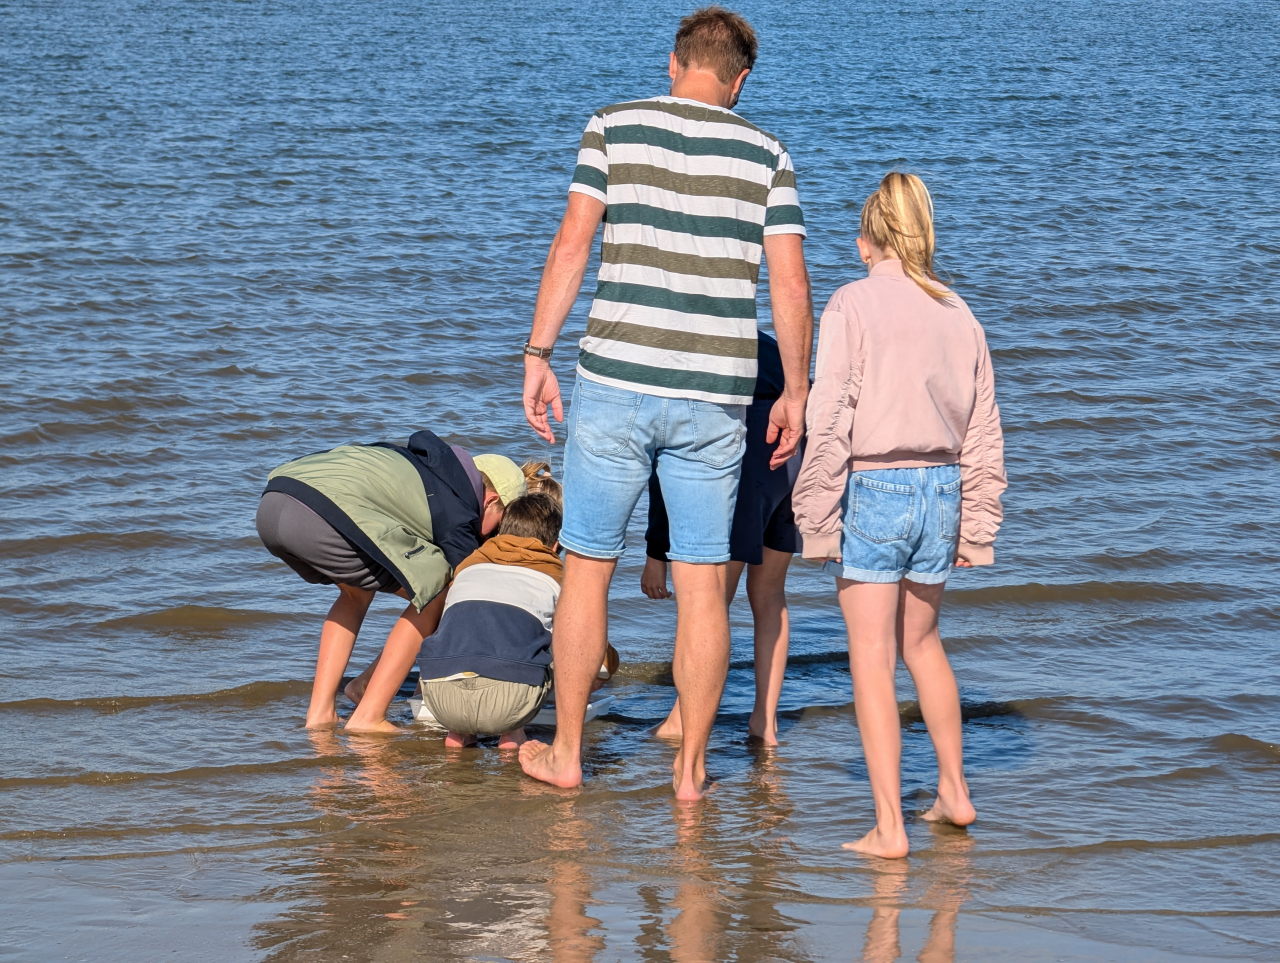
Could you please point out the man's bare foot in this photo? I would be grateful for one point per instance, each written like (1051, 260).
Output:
(954, 808)
(458, 740)
(509, 741)
(539, 761)
(371, 728)
(886, 845)
(322, 720)
(669, 728)
(689, 787)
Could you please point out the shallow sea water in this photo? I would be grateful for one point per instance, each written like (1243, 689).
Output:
(236, 232)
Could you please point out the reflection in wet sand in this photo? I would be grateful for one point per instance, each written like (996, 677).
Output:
(948, 871)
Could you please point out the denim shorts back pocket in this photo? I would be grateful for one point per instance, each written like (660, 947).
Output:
(948, 501)
(882, 511)
(719, 431)
(603, 417)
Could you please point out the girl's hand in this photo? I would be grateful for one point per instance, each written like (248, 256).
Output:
(653, 580)
(963, 562)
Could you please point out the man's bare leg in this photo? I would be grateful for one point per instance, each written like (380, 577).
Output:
(399, 653)
(669, 728)
(337, 638)
(767, 593)
(579, 637)
(871, 616)
(926, 659)
(700, 666)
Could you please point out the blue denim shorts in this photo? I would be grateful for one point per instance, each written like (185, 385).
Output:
(616, 437)
(899, 523)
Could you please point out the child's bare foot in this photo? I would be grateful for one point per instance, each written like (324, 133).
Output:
(509, 741)
(458, 740)
(891, 844)
(371, 728)
(952, 807)
(668, 728)
(765, 733)
(539, 761)
(354, 690)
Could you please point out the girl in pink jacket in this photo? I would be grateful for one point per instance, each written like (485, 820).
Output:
(901, 480)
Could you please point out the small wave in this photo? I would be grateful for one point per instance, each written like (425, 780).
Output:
(1238, 744)
(198, 618)
(250, 695)
(1036, 592)
(91, 541)
(199, 774)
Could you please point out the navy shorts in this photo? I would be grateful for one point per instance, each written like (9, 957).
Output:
(762, 516)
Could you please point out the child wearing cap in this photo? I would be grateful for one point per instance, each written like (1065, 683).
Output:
(487, 669)
(359, 517)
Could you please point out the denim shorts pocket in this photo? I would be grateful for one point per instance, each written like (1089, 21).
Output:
(603, 417)
(948, 499)
(719, 430)
(882, 511)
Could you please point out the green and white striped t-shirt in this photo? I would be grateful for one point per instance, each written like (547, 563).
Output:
(690, 191)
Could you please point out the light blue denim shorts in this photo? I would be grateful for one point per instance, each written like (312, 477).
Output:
(899, 523)
(615, 438)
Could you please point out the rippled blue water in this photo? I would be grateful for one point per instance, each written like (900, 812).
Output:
(235, 232)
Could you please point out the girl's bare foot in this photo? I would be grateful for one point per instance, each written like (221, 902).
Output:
(372, 728)
(891, 844)
(458, 740)
(539, 761)
(953, 808)
(322, 720)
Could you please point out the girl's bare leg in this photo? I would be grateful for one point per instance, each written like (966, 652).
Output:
(337, 638)
(767, 593)
(939, 699)
(670, 727)
(871, 615)
(399, 653)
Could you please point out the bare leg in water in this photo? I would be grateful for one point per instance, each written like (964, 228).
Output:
(871, 616)
(337, 638)
(579, 638)
(767, 595)
(399, 653)
(939, 696)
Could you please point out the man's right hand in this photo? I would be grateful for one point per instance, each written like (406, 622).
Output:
(541, 391)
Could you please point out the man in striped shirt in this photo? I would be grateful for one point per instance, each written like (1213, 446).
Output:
(691, 196)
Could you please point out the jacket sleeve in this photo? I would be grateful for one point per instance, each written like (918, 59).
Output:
(829, 416)
(982, 467)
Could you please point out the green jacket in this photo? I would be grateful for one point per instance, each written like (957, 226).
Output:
(411, 509)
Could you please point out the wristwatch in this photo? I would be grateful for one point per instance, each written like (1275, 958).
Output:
(543, 353)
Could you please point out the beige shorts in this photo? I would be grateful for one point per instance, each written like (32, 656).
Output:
(483, 707)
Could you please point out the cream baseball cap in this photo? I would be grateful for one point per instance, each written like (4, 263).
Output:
(504, 475)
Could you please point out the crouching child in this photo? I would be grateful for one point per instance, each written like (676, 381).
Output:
(487, 669)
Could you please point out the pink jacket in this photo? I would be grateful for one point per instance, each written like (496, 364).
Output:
(902, 381)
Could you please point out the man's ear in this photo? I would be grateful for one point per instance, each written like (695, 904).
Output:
(673, 65)
(738, 82)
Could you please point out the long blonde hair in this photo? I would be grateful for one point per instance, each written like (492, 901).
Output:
(898, 216)
(537, 478)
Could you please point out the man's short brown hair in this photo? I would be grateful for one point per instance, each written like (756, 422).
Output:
(716, 39)
(535, 515)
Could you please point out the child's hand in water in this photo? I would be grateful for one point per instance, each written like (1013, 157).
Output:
(653, 580)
